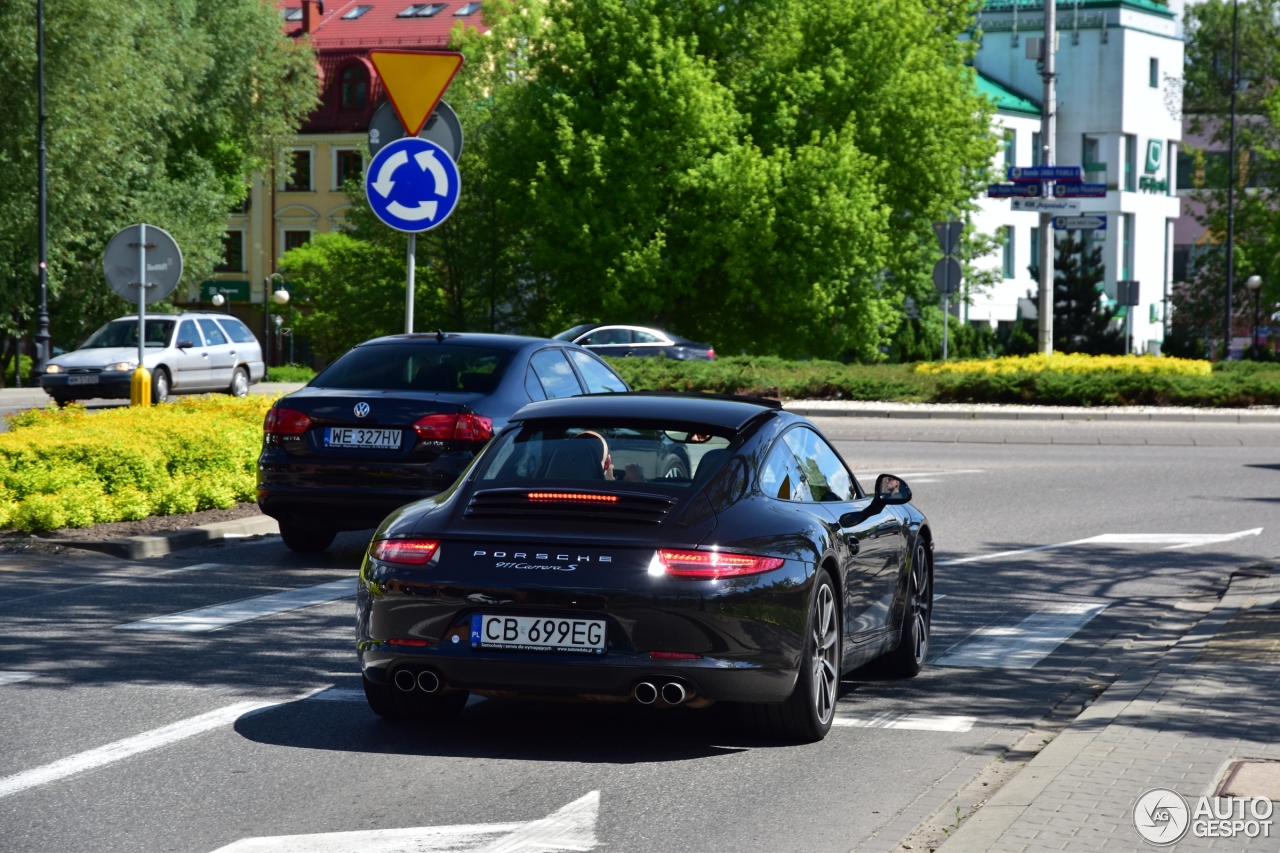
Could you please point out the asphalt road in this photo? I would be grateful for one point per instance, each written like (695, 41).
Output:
(154, 740)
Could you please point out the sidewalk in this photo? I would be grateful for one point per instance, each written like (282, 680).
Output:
(1182, 723)
(992, 411)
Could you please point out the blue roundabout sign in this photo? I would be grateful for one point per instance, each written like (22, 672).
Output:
(412, 185)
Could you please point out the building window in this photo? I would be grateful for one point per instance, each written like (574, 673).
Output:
(1153, 74)
(1010, 263)
(1035, 148)
(356, 12)
(1095, 166)
(1035, 251)
(467, 9)
(1126, 249)
(232, 252)
(1130, 163)
(298, 176)
(292, 14)
(355, 87)
(294, 239)
(1010, 147)
(348, 165)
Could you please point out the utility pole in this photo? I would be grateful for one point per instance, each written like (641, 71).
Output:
(1231, 178)
(1048, 129)
(42, 312)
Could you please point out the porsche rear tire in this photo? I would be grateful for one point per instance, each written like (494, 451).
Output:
(807, 714)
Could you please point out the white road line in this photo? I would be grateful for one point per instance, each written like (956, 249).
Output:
(12, 677)
(116, 581)
(130, 746)
(1025, 644)
(914, 722)
(572, 828)
(1176, 541)
(235, 612)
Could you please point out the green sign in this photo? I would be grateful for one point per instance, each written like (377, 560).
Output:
(1151, 185)
(1155, 153)
(236, 291)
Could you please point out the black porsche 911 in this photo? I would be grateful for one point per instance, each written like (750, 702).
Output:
(663, 549)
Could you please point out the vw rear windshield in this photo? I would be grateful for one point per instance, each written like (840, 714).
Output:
(604, 456)
(124, 333)
(425, 366)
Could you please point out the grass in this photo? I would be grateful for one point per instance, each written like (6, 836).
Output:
(290, 373)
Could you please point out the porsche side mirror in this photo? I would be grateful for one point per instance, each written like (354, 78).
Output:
(186, 344)
(892, 490)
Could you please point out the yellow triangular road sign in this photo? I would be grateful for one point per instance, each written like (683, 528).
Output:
(415, 80)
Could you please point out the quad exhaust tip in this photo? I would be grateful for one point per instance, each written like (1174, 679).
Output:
(428, 682)
(405, 681)
(646, 693)
(673, 693)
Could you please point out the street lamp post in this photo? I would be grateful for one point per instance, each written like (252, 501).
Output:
(1231, 176)
(1254, 283)
(42, 312)
(266, 314)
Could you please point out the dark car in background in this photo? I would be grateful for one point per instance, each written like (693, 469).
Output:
(622, 341)
(397, 419)
(660, 549)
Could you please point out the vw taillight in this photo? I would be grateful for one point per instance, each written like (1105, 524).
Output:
(454, 428)
(709, 565)
(285, 422)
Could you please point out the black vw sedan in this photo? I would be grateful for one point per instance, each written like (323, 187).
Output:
(662, 549)
(398, 418)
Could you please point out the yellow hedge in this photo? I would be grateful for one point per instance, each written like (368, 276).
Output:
(1077, 363)
(74, 468)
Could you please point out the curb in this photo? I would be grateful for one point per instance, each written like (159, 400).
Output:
(1029, 413)
(140, 547)
(983, 829)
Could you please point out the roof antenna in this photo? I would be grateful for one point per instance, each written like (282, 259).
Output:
(440, 336)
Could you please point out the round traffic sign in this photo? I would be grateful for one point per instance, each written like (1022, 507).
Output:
(412, 184)
(442, 128)
(164, 263)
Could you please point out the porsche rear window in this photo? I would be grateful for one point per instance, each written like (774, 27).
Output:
(601, 456)
(426, 366)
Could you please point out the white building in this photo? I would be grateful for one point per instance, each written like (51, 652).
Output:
(1118, 117)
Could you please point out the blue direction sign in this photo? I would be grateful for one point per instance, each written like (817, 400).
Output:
(1080, 190)
(1023, 174)
(1013, 190)
(412, 184)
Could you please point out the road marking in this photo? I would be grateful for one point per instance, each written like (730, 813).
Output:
(914, 477)
(1025, 644)
(116, 581)
(570, 828)
(914, 722)
(1176, 541)
(12, 677)
(235, 612)
(121, 749)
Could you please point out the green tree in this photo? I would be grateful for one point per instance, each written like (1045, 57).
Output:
(759, 175)
(1082, 320)
(158, 110)
(1200, 304)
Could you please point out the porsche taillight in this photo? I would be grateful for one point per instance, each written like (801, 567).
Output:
(710, 565)
(415, 552)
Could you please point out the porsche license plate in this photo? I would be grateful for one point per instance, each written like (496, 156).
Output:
(377, 439)
(538, 634)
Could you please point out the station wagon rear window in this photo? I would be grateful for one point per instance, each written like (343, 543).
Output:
(426, 366)
(596, 456)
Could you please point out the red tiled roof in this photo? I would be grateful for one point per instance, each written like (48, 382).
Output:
(379, 27)
(342, 42)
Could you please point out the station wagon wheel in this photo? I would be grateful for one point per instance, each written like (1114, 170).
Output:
(159, 386)
(239, 383)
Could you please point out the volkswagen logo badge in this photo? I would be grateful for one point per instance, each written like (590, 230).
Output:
(362, 410)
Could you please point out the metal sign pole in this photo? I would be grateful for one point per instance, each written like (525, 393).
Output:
(142, 291)
(1048, 128)
(410, 264)
(946, 316)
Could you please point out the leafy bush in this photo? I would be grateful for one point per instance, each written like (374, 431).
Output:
(290, 373)
(73, 468)
(770, 376)
(1113, 388)
(1073, 363)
